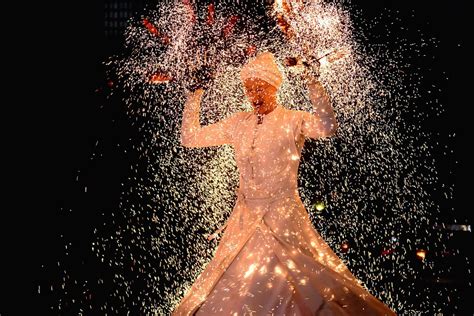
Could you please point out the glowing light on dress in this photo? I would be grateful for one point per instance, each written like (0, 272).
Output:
(251, 270)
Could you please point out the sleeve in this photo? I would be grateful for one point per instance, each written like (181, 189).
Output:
(322, 121)
(312, 126)
(194, 135)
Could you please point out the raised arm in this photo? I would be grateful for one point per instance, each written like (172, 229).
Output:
(194, 135)
(322, 123)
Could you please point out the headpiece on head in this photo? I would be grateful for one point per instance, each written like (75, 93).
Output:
(263, 66)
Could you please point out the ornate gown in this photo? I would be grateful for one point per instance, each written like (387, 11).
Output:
(270, 259)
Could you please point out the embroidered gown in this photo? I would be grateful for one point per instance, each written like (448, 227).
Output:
(270, 259)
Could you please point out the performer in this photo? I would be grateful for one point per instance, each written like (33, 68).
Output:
(270, 260)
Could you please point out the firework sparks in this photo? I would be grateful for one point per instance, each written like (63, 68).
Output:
(370, 170)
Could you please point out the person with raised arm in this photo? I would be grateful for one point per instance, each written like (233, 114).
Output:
(270, 259)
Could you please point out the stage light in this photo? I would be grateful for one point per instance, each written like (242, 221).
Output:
(345, 246)
(319, 206)
(421, 254)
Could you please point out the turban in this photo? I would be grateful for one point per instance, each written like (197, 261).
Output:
(264, 67)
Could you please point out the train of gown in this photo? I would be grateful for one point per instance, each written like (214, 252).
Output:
(271, 261)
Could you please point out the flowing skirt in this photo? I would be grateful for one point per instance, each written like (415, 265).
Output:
(271, 261)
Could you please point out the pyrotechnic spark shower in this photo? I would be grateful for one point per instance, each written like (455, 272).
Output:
(371, 179)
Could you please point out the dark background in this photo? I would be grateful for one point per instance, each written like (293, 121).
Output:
(60, 111)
